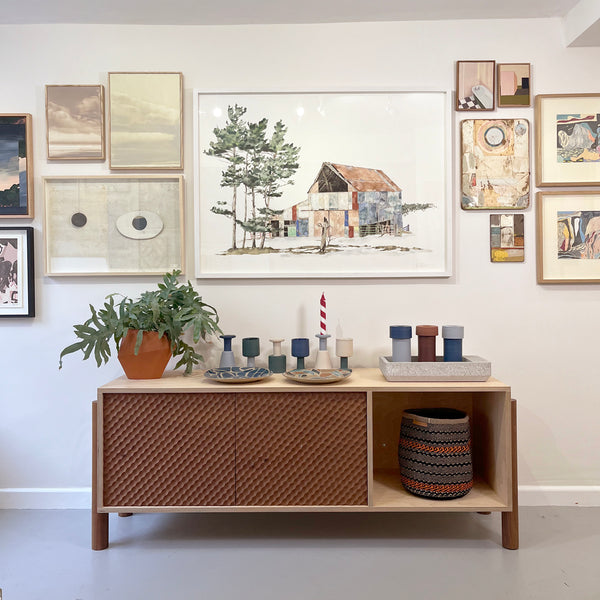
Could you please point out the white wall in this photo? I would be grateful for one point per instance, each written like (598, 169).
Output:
(542, 340)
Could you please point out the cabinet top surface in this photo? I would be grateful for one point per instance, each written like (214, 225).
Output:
(362, 379)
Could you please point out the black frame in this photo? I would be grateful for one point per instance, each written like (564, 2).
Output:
(28, 310)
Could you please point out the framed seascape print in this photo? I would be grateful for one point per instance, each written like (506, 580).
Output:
(17, 297)
(75, 122)
(568, 237)
(514, 85)
(114, 225)
(495, 164)
(322, 184)
(507, 238)
(567, 139)
(16, 166)
(475, 85)
(146, 120)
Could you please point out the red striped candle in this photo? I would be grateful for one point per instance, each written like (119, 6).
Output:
(323, 315)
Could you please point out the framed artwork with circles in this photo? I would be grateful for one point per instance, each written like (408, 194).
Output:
(129, 224)
(495, 169)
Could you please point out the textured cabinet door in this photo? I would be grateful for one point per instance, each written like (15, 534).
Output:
(301, 448)
(171, 449)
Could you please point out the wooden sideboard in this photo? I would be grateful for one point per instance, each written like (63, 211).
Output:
(188, 444)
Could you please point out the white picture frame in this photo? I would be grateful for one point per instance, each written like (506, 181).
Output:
(399, 137)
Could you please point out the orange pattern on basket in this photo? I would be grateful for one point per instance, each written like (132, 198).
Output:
(411, 444)
(438, 488)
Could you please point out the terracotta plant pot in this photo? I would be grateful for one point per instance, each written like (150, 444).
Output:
(150, 361)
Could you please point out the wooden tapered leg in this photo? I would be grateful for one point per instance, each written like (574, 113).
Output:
(510, 520)
(99, 520)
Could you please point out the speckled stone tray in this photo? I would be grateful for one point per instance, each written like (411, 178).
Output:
(472, 368)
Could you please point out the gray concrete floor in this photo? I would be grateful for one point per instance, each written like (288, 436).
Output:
(45, 555)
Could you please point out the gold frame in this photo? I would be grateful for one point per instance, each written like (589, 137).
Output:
(545, 144)
(546, 242)
(172, 164)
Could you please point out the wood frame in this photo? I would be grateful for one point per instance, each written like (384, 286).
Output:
(16, 128)
(158, 96)
(323, 124)
(579, 242)
(81, 119)
(477, 85)
(508, 104)
(552, 166)
(478, 158)
(19, 279)
(493, 417)
(102, 225)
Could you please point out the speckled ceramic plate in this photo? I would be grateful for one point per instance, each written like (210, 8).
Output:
(237, 374)
(317, 375)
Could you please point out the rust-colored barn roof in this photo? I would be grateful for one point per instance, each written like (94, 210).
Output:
(363, 179)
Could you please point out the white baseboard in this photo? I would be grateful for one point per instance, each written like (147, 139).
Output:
(56, 498)
(34, 498)
(559, 495)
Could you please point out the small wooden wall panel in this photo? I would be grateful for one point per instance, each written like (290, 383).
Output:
(299, 448)
(168, 449)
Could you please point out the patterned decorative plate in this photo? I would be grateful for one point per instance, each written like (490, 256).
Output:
(317, 375)
(237, 374)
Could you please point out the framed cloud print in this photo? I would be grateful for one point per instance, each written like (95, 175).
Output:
(322, 184)
(114, 225)
(568, 237)
(16, 166)
(17, 295)
(567, 139)
(75, 122)
(146, 120)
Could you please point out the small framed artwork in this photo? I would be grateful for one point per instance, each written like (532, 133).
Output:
(146, 120)
(475, 85)
(75, 122)
(514, 85)
(568, 237)
(507, 238)
(114, 225)
(17, 296)
(567, 139)
(16, 166)
(495, 164)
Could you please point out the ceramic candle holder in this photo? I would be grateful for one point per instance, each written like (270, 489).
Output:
(251, 349)
(323, 359)
(277, 360)
(300, 349)
(344, 349)
(227, 358)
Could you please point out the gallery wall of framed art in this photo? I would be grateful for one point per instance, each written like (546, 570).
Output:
(497, 299)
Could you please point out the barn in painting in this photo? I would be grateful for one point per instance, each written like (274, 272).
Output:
(351, 201)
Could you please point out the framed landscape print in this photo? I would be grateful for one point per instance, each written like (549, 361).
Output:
(475, 85)
(16, 166)
(495, 164)
(514, 85)
(17, 296)
(568, 237)
(567, 139)
(75, 122)
(113, 225)
(146, 120)
(322, 184)
(507, 238)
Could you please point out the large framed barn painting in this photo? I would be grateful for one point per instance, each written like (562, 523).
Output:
(322, 184)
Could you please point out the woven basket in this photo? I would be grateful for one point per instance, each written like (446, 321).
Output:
(434, 453)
